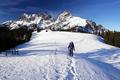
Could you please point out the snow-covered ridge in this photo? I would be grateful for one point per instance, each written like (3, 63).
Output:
(65, 21)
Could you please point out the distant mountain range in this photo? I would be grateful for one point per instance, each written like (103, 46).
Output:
(65, 21)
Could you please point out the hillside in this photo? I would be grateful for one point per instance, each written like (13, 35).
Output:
(45, 57)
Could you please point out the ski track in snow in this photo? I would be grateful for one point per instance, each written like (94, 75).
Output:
(46, 58)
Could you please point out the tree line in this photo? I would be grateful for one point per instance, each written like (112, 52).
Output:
(12, 38)
(112, 38)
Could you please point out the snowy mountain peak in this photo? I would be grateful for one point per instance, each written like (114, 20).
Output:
(7, 22)
(24, 16)
(65, 14)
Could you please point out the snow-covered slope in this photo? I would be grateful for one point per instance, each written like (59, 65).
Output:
(45, 57)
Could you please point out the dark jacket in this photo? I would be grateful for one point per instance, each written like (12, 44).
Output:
(71, 46)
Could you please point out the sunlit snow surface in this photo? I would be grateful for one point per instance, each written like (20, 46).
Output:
(45, 57)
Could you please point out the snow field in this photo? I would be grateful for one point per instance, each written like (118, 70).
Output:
(45, 57)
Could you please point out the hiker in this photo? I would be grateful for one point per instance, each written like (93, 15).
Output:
(71, 47)
(46, 30)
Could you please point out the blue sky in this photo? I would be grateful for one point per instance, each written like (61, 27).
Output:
(105, 12)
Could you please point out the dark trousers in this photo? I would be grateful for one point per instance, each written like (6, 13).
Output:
(71, 52)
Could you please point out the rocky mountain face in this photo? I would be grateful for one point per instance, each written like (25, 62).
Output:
(65, 21)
